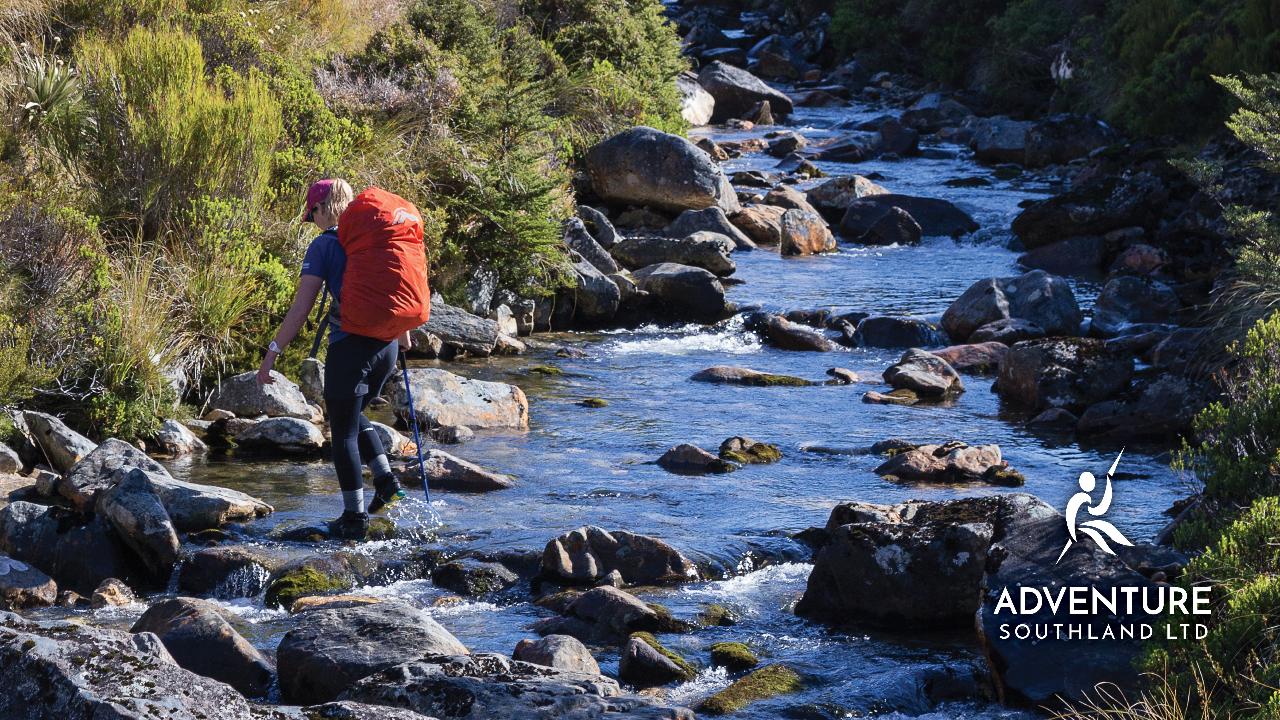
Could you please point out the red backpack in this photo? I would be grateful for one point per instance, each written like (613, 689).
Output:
(384, 288)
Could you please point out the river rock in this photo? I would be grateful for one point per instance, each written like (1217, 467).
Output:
(1037, 296)
(833, 197)
(112, 592)
(10, 462)
(642, 665)
(687, 459)
(925, 374)
(1158, 410)
(137, 514)
(22, 586)
(597, 223)
(805, 233)
(782, 333)
(577, 239)
(730, 375)
(785, 196)
(644, 166)
(76, 553)
(1073, 256)
(709, 220)
(606, 612)
(311, 381)
(563, 652)
(1059, 139)
(177, 440)
(447, 472)
(1095, 206)
(1070, 373)
(286, 435)
(241, 394)
(703, 249)
(933, 215)
(895, 227)
(459, 331)
(1129, 300)
(496, 687)
(761, 223)
(61, 445)
(473, 578)
(96, 472)
(953, 462)
(736, 91)
(329, 650)
(683, 292)
(199, 637)
(785, 143)
(71, 670)
(853, 147)
(1007, 331)
(982, 357)
(933, 111)
(442, 398)
(696, 105)
(1140, 259)
(895, 332)
(588, 554)
(595, 298)
(227, 572)
(1000, 140)
(767, 682)
(316, 574)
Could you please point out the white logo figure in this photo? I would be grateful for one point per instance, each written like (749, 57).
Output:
(1093, 528)
(402, 216)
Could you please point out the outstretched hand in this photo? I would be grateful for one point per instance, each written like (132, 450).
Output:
(264, 371)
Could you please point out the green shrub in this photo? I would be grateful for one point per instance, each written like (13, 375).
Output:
(165, 134)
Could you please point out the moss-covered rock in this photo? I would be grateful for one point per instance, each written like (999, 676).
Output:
(687, 668)
(301, 582)
(733, 655)
(746, 451)
(594, 402)
(668, 623)
(769, 681)
(546, 370)
(1006, 476)
(716, 615)
(746, 376)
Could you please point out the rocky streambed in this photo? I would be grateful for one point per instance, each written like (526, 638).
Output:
(692, 494)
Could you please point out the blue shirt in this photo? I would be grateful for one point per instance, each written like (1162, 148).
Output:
(326, 260)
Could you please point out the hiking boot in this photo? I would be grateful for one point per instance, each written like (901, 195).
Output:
(387, 492)
(350, 526)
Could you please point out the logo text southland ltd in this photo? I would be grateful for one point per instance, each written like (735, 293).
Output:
(1106, 609)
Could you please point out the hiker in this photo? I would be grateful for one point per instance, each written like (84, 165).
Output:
(357, 365)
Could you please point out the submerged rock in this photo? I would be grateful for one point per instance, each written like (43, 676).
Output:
(786, 335)
(199, 637)
(588, 554)
(687, 459)
(329, 650)
(442, 398)
(473, 578)
(895, 332)
(69, 670)
(744, 376)
(767, 682)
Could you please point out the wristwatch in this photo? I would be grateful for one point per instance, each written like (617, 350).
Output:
(275, 348)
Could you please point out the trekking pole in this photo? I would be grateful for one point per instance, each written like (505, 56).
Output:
(413, 418)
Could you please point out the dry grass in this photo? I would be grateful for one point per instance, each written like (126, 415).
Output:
(1160, 701)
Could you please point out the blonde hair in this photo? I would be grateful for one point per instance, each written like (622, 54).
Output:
(340, 196)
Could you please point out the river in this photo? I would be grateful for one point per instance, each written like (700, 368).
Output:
(577, 465)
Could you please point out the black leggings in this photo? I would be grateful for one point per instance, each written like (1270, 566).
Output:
(354, 372)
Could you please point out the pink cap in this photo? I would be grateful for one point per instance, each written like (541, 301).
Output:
(316, 194)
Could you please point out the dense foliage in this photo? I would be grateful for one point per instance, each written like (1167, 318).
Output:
(157, 153)
(1147, 65)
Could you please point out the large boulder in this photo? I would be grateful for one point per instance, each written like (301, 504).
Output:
(925, 374)
(329, 650)
(703, 249)
(643, 166)
(761, 223)
(832, 197)
(199, 637)
(458, 330)
(71, 670)
(1070, 373)
(696, 104)
(496, 687)
(895, 227)
(737, 91)
(1159, 410)
(62, 446)
(1059, 139)
(1000, 140)
(588, 554)
(934, 215)
(1129, 300)
(442, 398)
(137, 514)
(683, 292)
(1038, 297)
(78, 554)
(805, 233)
(191, 506)
(1096, 206)
(281, 435)
(245, 397)
(22, 586)
(227, 571)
